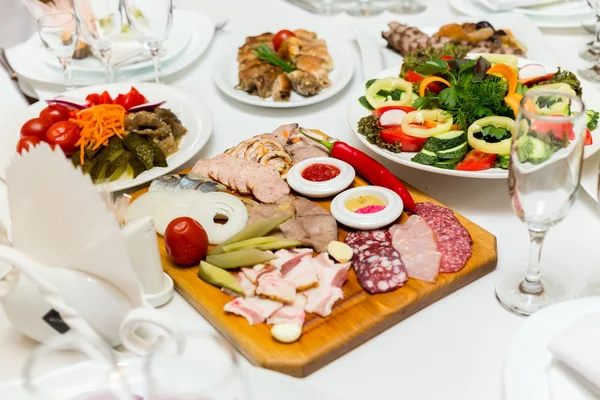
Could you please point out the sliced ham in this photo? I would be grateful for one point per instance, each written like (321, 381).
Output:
(255, 309)
(273, 286)
(415, 241)
(320, 300)
(303, 275)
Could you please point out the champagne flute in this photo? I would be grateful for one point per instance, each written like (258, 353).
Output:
(100, 24)
(408, 7)
(545, 168)
(150, 22)
(58, 32)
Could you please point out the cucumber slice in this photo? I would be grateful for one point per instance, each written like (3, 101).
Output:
(455, 152)
(448, 164)
(445, 141)
(540, 151)
(503, 161)
(425, 157)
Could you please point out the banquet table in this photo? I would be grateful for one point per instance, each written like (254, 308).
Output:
(453, 349)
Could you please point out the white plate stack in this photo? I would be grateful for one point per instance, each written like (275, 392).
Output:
(191, 33)
(544, 13)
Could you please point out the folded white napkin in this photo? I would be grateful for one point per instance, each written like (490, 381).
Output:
(590, 175)
(502, 5)
(578, 347)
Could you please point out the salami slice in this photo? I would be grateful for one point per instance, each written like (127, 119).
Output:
(362, 240)
(453, 239)
(380, 270)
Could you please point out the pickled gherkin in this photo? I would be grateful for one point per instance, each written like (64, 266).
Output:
(118, 166)
(256, 229)
(219, 277)
(262, 243)
(240, 258)
(159, 157)
(141, 149)
(137, 166)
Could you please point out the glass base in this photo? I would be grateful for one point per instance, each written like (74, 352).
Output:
(591, 74)
(590, 53)
(365, 11)
(413, 8)
(514, 299)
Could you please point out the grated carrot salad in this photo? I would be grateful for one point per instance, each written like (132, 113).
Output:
(98, 124)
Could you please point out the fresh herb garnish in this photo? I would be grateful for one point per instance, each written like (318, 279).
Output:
(432, 67)
(547, 101)
(395, 94)
(494, 134)
(365, 103)
(592, 119)
(267, 55)
(566, 77)
(369, 83)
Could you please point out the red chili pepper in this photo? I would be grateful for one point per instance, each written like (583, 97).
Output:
(369, 168)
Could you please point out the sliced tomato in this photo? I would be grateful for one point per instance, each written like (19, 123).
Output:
(556, 130)
(537, 79)
(131, 99)
(476, 160)
(588, 137)
(379, 112)
(94, 99)
(446, 58)
(408, 143)
(413, 77)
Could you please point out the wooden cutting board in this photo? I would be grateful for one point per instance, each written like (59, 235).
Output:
(354, 320)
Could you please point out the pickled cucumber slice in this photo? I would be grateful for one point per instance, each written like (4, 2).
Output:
(280, 244)
(136, 166)
(141, 149)
(250, 243)
(240, 258)
(256, 229)
(117, 167)
(219, 277)
(159, 157)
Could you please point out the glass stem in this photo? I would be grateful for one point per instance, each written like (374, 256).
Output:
(68, 79)
(107, 61)
(364, 6)
(597, 41)
(532, 283)
(155, 51)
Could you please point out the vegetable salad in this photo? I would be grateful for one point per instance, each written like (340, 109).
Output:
(458, 113)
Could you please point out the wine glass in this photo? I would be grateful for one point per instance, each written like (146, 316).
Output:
(150, 22)
(545, 168)
(408, 7)
(88, 371)
(364, 8)
(100, 24)
(58, 32)
(592, 51)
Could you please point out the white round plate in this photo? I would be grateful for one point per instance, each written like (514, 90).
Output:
(193, 113)
(201, 36)
(558, 9)
(264, 384)
(591, 99)
(530, 373)
(179, 38)
(226, 78)
(475, 8)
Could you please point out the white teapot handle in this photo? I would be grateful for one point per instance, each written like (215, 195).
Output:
(142, 341)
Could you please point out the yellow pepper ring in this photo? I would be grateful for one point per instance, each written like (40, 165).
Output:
(429, 80)
(502, 147)
(419, 116)
(389, 84)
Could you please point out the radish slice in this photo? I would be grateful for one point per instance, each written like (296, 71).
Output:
(531, 71)
(145, 205)
(224, 205)
(146, 107)
(392, 118)
(175, 205)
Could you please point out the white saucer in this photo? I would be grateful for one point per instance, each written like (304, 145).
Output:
(320, 189)
(391, 212)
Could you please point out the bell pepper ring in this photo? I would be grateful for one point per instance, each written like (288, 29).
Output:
(368, 167)
(442, 120)
(502, 147)
(429, 80)
(389, 84)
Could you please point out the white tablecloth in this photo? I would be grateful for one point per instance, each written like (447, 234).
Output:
(453, 349)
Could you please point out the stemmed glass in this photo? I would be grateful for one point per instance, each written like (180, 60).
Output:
(365, 8)
(150, 22)
(592, 51)
(545, 168)
(100, 24)
(408, 7)
(58, 32)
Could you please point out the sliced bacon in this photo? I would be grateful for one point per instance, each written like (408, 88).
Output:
(246, 284)
(254, 309)
(290, 314)
(303, 275)
(320, 300)
(333, 276)
(274, 287)
(251, 274)
(287, 259)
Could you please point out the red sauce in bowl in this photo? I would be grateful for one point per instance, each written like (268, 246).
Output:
(320, 172)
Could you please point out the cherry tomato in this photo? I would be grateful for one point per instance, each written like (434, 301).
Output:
(280, 37)
(186, 241)
(36, 127)
(64, 134)
(476, 160)
(408, 143)
(56, 113)
(26, 142)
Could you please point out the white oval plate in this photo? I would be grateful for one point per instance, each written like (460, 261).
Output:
(560, 9)
(529, 371)
(193, 113)
(591, 99)
(180, 36)
(202, 34)
(226, 78)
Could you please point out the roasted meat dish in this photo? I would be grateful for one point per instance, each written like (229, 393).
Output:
(305, 52)
(480, 38)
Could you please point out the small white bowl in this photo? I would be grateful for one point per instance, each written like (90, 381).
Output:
(320, 189)
(391, 212)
